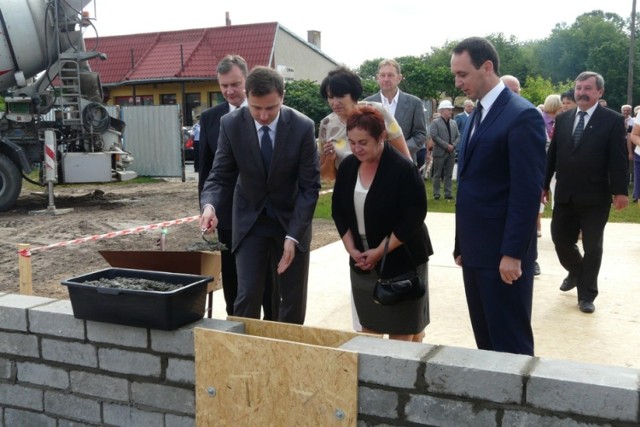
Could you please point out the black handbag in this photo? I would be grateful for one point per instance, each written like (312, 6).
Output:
(407, 286)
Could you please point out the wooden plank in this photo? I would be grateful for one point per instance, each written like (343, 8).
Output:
(246, 380)
(296, 333)
(24, 270)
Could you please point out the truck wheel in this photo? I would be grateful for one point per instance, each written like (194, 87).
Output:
(10, 183)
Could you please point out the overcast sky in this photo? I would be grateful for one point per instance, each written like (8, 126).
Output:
(354, 31)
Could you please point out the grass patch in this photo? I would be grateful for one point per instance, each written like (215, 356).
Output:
(629, 215)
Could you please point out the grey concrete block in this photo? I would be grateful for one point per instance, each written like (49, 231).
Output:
(608, 392)
(424, 409)
(181, 370)
(176, 421)
(73, 407)
(20, 396)
(101, 386)
(524, 419)
(13, 310)
(37, 373)
(56, 319)
(72, 353)
(485, 375)
(127, 336)
(388, 362)
(378, 403)
(180, 341)
(121, 415)
(164, 397)
(18, 418)
(6, 369)
(129, 362)
(19, 344)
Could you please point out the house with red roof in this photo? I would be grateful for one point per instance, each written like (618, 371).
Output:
(178, 67)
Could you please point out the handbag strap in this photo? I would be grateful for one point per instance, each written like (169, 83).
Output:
(386, 249)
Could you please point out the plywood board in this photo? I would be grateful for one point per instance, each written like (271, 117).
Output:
(297, 333)
(244, 380)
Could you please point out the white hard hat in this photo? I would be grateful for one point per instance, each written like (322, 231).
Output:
(445, 104)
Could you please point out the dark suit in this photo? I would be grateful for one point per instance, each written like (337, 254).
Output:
(410, 116)
(587, 175)
(209, 130)
(290, 191)
(500, 177)
(461, 120)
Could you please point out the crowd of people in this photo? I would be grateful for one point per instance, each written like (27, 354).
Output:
(261, 168)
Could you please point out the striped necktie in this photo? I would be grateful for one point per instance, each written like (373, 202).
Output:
(577, 133)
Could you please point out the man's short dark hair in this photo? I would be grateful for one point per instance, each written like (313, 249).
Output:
(568, 94)
(340, 82)
(480, 51)
(226, 63)
(588, 74)
(262, 81)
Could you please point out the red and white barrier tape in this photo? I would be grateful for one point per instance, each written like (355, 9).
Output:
(134, 230)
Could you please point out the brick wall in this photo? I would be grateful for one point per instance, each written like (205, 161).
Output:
(56, 370)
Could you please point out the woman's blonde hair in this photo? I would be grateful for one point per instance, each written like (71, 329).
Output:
(552, 104)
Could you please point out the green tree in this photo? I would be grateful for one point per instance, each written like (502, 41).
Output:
(596, 41)
(536, 88)
(304, 96)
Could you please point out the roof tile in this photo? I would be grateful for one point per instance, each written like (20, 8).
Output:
(186, 54)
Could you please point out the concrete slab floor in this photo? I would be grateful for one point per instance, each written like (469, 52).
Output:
(610, 336)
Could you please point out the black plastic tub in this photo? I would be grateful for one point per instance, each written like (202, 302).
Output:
(146, 309)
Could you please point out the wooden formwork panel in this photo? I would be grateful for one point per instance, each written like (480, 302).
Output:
(297, 333)
(244, 380)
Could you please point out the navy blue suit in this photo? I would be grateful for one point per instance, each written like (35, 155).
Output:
(500, 177)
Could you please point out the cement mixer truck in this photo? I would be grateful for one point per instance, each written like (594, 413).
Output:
(54, 121)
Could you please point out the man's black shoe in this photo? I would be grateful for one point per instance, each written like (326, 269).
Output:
(536, 269)
(436, 197)
(568, 283)
(448, 197)
(586, 307)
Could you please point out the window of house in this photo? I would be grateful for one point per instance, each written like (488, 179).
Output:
(215, 98)
(168, 99)
(192, 107)
(128, 100)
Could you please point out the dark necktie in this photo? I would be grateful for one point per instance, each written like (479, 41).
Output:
(579, 128)
(266, 148)
(476, 119)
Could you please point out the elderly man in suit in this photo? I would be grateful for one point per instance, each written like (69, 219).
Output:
(501, 164)
(588, 154)
(407, 109)
(232, 73)
(446, 136)
(461, 119)
(271, 150)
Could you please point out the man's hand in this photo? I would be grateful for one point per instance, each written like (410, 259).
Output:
(545, 197)
(208, 220)
(620, 201)
(288, 253)
(510, 269)
(458, 260)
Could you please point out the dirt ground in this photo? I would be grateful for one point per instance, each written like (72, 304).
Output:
(100, 209)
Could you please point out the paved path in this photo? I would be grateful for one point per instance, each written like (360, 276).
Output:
(609, 336)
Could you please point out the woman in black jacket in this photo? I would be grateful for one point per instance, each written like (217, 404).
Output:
(379, 193)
